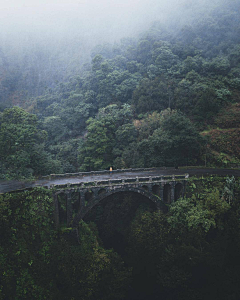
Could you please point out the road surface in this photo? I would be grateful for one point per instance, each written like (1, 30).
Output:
(13, 185)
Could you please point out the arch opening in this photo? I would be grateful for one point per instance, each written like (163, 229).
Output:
(75, 199)
(178, 191)
(167, 193)
(156, 190)
(102, 191)
(140, 193)
(114, 213)
(88, 196)
(145, 187)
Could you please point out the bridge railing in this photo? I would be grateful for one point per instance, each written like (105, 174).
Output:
(81, 174)
(128, 181)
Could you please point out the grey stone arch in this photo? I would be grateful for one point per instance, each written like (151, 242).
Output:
(178, 191)
(138, 190)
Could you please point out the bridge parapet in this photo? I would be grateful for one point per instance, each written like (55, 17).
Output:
(130, 180)
(102, 172)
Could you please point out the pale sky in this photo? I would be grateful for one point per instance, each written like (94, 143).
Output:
(93, 13)
(100, 20)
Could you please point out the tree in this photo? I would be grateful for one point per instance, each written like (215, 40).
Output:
(228, 191)
(151, 95)
(19, 136)
(103, 137)
(174, 142)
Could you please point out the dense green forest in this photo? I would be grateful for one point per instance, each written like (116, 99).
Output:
(168, 97)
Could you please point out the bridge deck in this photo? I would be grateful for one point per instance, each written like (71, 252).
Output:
(9, 186)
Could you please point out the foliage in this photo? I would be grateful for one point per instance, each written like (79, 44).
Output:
(229, 117)
(37, 262)
(21, 142)
(175, 142)
(191, 250)
(139, 103)
(228, 191)
(108, 132)
(193, 69)
(187, 253)
(225, 141)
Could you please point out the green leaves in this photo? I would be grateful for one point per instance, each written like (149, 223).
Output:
(18, 137)
(174, 142)
(104, 132)
(228, 191)
(185, 215)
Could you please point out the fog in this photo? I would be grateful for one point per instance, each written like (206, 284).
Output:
(98, 21)
(54, 38)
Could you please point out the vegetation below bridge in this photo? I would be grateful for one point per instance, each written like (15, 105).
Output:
(124, 248)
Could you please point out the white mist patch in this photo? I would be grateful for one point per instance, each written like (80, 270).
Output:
(108, 19)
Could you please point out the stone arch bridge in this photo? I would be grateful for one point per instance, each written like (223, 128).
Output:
(73, 201)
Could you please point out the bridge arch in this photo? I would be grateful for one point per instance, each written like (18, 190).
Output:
(140, 190)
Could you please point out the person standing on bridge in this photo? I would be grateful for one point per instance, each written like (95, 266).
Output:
(110, 171)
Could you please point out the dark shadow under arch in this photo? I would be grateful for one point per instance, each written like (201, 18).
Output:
(62, 207)
(76, 202)
(145, 187)
(154, 199)
(102, 191)
(178, 191)
(156, 190)
(88, 196)
(167, 193)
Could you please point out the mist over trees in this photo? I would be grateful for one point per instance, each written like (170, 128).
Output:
(109, 106)
(88, 85)
(46, 43)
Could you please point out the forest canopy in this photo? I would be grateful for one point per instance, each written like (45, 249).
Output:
(155, 100)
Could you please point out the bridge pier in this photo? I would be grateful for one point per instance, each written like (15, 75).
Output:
(69, 207)
(161, 191)
(56, 210)
(172, 192)
(82, 199)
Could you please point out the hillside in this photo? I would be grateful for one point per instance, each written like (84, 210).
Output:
(224, 138)
(140, 103)
(77, 96)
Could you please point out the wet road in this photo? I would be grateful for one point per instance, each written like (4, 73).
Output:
(13, 185)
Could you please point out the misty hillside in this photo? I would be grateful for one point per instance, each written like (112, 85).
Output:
(162, 97)
(117, 84)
